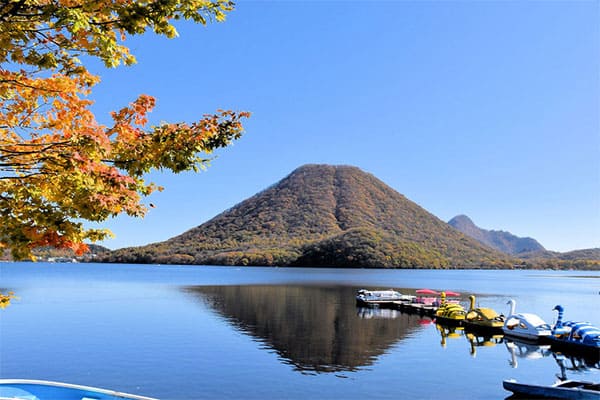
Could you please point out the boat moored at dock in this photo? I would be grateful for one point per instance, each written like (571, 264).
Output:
(525, 326)
(483, 318)
(575, 335)
(449, 313)
(381, 297)
(427, 297)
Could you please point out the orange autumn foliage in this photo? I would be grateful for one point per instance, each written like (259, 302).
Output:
(58, 165)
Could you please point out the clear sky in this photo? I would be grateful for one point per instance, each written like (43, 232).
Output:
(489, 109)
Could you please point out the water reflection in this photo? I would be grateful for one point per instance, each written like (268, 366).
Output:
(6, 298)
(376, 312)
(477, 340)
(315, 329)
(526, 350)
(570, 362)
(451, 332)
(573, 361)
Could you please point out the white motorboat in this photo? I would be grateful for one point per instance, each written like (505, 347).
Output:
(381, 297)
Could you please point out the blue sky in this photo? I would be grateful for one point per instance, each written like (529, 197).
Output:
(489, 109)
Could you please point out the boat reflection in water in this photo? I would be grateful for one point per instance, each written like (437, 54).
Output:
(564, 387)
(525, 350)
(573, 361)
(449, 332)
(376, 312)
(315, 329)
(475, 338)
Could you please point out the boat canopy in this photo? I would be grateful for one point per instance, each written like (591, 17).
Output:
(451, 293)
(426, 291)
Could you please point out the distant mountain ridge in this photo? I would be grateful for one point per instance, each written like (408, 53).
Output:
(325, 216)
(574, 255)
(502, 241)
(527, 249)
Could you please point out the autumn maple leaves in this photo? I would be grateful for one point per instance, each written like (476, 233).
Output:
(58, 165)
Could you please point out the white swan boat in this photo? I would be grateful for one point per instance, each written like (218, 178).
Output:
(525, 325)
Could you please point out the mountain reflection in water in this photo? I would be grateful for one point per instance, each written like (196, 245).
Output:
(315, 329)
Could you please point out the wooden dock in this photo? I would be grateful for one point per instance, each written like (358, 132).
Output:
(404, 306)
(416, 308)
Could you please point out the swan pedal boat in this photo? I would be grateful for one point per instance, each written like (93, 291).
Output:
(569, 389)
(525, 326)
(482, 318)
(578, 336)
(29, 389)
(381, 297)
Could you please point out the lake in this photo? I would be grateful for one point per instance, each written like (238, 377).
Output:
(195, 332)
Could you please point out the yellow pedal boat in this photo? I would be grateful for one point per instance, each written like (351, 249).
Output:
(449, 313)
(482, 317)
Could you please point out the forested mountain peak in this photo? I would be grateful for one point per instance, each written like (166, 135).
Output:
(502, 241)
(323, 215)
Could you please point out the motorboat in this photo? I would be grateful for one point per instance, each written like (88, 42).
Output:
(482, 317)
(29, 389)
(575, 335)
(525, 325)
(449, 313)
(366, 297)
(569, 389)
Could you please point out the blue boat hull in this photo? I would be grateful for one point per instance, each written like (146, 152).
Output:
(44, 390)
(571, 390)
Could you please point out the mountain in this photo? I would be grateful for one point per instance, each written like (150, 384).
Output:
(583, 254)
(574, 255)
(528, 250)
(322, 215)
(502, 241)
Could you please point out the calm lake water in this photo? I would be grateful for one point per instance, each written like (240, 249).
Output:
(195, 332)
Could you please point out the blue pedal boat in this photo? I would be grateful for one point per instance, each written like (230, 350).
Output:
(573, 335)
